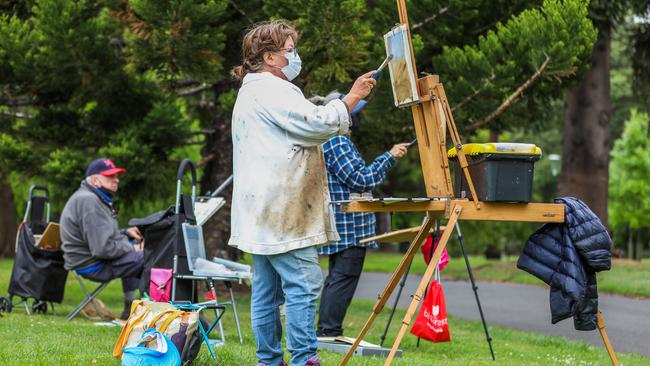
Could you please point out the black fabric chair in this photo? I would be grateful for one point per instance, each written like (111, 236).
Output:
(37, 273)
(163, 237)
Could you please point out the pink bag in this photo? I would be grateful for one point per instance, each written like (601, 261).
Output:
(160, 284)
(426, 251)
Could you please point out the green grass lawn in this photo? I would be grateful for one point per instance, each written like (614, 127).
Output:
(51, 340)
(628, 278)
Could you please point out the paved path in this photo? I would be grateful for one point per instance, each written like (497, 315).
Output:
(527, 308)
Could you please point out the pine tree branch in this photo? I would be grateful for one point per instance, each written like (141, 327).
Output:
(429, 19)
(510, 100)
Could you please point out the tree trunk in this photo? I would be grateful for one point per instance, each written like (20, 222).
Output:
(586, 136)
(630, 245)
(494, 136)
(638, 253)
(8, 220)
(217, 154)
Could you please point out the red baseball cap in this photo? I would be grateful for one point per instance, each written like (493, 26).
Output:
(104, 167)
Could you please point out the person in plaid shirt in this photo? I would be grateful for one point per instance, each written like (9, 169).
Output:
(347, 173)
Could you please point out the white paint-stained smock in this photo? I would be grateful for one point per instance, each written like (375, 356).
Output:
(280, 198)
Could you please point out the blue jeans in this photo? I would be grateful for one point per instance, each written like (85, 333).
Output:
(293, 278)
(127, 267)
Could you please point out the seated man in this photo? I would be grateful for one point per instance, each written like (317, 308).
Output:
(93, 245)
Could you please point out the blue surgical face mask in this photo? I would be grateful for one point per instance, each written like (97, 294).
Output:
(292, 70)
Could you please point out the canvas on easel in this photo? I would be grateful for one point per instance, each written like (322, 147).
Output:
(402, 75)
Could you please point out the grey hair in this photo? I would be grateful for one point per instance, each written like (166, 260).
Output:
(88, 178)
(320, 100)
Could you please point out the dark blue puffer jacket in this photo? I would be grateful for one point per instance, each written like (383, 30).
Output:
(566, 257)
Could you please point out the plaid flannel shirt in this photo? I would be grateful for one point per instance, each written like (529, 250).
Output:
(347, 172)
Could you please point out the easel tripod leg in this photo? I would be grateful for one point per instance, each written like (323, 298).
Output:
(392, 283)
(608, 344)
(401, 287)
(402, 283)
(406, 322)
(435, 240)
(475, 289)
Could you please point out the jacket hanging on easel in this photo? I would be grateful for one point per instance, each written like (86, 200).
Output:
(566, 257)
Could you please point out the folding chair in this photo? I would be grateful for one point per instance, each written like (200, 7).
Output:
(188, 306)
(90, 297)
(195, 250)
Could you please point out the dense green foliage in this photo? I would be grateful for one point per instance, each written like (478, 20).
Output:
(147, 83)
(181, 39)
(71, 97)
(628, 184)
(558, 33)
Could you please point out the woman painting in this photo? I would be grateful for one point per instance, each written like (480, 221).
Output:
(280, 204)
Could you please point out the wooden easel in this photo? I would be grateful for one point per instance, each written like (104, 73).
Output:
(432, 117)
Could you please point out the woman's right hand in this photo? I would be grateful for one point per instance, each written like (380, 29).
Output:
(360, 89)
(363, 85)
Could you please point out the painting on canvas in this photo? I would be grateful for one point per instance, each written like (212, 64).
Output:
(402, 76)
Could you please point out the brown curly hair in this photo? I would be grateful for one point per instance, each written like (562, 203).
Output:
(268, 36)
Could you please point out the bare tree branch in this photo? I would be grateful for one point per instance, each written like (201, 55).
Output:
(17, 102)
(193, 91)
(241, 11)
(429, 19)
(473, 95)
(16, 114)
(206, 104)
(466, 100)
(192, 142)
(202, 132)
(185, 83)
(206, 160)
(508, 102)
(518, 9)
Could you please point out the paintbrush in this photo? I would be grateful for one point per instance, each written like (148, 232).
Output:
(382, 66)
(376, 75)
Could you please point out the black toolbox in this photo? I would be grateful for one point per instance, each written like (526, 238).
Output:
(501, 172)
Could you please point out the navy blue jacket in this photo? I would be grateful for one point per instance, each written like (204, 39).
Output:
(566, 257)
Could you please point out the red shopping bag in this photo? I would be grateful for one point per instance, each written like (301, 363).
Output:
(426, 251)
(431, 323)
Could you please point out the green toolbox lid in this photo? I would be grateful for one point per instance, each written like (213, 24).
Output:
(497, 148)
